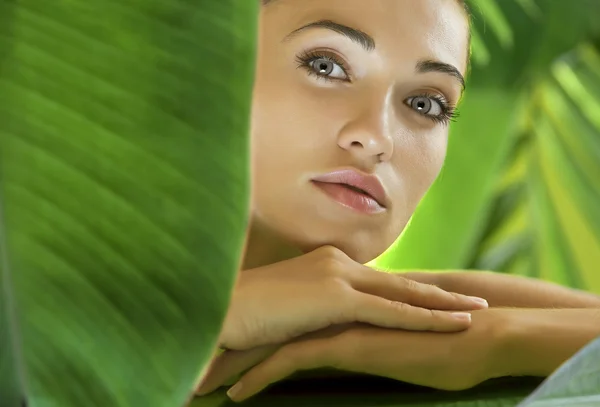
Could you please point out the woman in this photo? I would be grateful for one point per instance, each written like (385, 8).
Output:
(352, 102)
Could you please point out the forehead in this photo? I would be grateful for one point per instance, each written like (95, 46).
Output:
(405, 30)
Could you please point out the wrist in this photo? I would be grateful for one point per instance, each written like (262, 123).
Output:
(535, 342)
(500, 334)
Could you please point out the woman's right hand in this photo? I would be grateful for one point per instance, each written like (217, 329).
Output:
(281, 301)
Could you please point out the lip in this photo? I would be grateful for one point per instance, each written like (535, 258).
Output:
(342, 185)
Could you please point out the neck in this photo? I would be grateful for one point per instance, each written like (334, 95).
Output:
(264, 247)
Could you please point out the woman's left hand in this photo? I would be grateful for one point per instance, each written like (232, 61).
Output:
(448, 361)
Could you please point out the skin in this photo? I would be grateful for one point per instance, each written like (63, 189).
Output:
(363, 123)
(305, 126)
(501, 342)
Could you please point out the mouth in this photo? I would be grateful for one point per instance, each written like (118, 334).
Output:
(352, 189)
(361, 191)
(366, 185)
(351, 197)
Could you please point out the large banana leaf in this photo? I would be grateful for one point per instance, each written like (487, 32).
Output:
(124, 194)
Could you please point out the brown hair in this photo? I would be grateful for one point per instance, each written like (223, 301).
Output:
(464, 4)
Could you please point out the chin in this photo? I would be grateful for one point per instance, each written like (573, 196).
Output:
(360, 241)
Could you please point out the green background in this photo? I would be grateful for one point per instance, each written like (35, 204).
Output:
(520, 192)
(124, 191)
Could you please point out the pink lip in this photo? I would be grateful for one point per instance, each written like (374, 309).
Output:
(338, 185)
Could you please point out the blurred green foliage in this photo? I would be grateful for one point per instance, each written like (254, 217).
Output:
(520, 192)
(95, 96)
(123, 206)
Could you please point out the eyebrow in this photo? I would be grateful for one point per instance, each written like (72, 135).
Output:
(368, 43)
(361, 38)
(428, 65)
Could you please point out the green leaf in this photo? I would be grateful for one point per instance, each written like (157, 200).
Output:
(554, 172)
(10, 385)
(575, 384)
(124, 194)
(496, 20)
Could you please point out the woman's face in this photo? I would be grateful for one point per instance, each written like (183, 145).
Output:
(349, 94)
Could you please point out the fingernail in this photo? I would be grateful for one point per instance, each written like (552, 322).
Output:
(480, 301)
(234, 390)
(462, 316)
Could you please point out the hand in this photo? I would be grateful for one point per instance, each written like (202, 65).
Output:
(447, 361)
(281, 301)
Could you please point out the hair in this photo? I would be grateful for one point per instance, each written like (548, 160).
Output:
(462, 2)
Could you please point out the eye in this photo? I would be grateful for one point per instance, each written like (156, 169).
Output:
(323, 66)
(425, 105)
(326, 67)
(434, 107)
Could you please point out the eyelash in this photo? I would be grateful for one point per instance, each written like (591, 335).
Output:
(449, 112)
(306, 57)
(304, 60)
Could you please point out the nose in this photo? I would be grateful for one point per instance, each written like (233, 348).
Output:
(368, 135)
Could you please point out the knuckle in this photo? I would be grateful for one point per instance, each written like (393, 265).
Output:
(432, 321)
(411, 289)
(329, 252)
(400, 307)
(410, 285)
(331, 262)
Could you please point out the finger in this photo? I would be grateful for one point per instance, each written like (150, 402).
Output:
(395, 287)
(229, 365)
(379, 311)
(284, 362)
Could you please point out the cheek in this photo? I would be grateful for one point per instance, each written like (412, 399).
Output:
(278, 139)
(288, 141)
(418, 162)
(293, 125)
(434, 156)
